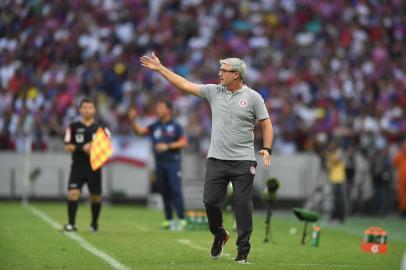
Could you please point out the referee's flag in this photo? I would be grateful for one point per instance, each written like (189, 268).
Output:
(100, 149)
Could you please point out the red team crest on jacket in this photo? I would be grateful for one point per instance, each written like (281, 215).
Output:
(243, 103)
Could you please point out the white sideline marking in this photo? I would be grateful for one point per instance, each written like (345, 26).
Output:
(141, 228)
(312, 264)
(74, 236)
(188, 242)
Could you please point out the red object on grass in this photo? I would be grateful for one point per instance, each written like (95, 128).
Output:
(375, 240)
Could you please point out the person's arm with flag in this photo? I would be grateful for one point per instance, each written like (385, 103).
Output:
(100, 148)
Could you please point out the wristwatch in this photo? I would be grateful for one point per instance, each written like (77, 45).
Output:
(267, 149)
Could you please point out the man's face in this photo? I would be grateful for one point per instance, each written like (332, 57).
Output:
(87, 110)
(227, 75)
(162, 110)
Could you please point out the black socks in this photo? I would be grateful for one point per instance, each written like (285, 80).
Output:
(95, 213)
(72, 208)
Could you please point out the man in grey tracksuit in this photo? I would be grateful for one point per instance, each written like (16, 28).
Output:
(235, 110)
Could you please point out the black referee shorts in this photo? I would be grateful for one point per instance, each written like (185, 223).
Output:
(79, 175)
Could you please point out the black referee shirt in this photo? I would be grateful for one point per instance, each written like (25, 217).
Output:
(79, 134)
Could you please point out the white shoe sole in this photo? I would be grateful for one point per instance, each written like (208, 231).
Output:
(218, 256)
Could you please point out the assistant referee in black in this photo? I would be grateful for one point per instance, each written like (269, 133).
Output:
(78, 137)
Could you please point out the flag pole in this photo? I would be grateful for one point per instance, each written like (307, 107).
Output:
(27, 170)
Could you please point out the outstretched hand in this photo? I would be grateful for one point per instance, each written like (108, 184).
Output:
(152, 62)
(132, 114)
(266, 157)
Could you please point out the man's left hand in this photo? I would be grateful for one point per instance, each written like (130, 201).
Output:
(161, 147)
(266, 157)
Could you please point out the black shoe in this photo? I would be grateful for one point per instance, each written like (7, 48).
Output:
(69, 228)
(241, 258)
(94, 227)
(218, 244)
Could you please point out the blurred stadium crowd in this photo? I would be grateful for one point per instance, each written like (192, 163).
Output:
(325, 68)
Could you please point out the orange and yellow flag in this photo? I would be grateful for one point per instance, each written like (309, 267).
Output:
(100, 149)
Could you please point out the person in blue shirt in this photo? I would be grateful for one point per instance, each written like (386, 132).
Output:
(168, 139)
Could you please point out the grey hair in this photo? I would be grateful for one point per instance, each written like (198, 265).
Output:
(236, 64)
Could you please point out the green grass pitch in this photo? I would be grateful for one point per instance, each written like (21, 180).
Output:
(132, 236)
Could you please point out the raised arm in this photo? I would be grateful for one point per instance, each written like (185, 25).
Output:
(267, 134)
(174, 79)
(132, 115)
